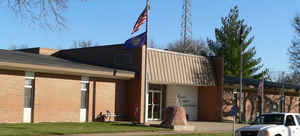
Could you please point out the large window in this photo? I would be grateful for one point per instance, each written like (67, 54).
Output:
(84, 92)
(28, 90)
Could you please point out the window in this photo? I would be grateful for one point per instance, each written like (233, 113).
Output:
(28, 90)
(290, 121)
(274, 107)
(83, 86)
(28, 96)
(84, 99)
(298, 119)
(271, 119)
(84, 92)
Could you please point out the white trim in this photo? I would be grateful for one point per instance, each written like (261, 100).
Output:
(29, 75)
(27, 117)
(153, 105)
(83, 89)
(176, 53)
(83, 86)
(27, 86)
(83, 115)
(146, 106)
(85, 79)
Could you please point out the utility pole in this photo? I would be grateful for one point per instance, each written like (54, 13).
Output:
(186, 24)
(241, 72)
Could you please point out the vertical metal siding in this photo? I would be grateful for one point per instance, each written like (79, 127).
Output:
(168, 67)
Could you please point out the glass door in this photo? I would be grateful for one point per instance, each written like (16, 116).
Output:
(154, 105)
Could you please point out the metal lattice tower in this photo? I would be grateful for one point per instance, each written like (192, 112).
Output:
(186, 24)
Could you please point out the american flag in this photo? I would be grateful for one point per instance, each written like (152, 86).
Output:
(260, 88)
(142, 18)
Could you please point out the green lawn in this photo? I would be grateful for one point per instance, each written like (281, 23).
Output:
(38, 129)
(206, 134)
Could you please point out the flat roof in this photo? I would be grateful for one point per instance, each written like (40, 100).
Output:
(17, 60)
(230, 80)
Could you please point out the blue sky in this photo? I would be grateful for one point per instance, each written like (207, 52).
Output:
(111, 21)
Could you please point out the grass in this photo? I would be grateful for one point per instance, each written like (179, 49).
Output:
(202, 134)
(38, 129)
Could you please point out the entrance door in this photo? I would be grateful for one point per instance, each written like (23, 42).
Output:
(154, 105)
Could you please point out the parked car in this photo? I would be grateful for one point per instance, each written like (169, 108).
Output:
(273, 124)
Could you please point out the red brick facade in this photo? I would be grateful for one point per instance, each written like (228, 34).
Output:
(57, 98)
(271, 104)
(210, 97)
(11, 96)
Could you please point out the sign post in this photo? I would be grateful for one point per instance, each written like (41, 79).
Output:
(234, 110)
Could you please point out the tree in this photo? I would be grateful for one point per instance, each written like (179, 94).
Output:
(233, 33)
(294, 49)
(15, 47)
(40, 12)
(83, 44)
(196, 47)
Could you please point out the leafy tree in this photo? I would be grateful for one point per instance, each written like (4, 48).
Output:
(294, 49)
(197, 47)
(233, 33)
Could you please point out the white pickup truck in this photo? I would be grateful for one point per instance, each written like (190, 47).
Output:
(273, 124)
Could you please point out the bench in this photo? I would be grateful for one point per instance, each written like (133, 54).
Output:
(109, 116)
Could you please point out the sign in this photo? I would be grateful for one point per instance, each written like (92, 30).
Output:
(234, 111)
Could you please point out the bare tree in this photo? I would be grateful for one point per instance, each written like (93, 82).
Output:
(197, 47)
(152, 44)
(83, 44)
(40, 12)
(15, 47)
(294, 49)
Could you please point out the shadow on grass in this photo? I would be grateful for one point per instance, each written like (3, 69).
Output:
(55, 133)
(129, 125)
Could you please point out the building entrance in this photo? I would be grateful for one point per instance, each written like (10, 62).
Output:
(154, 105)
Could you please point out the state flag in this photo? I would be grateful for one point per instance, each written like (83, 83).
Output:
(136, 42)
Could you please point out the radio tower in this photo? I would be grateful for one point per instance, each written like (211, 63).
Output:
(186, 24)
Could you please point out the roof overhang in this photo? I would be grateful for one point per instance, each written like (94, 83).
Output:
(100, 72)
(251, 85)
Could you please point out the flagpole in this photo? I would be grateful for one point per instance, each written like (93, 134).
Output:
(146, 65)
(262, 94)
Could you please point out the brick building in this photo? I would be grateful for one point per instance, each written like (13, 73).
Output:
(78, 85)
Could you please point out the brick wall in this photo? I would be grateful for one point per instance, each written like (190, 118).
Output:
(208, 102)
(251, 104)
(104, 96)
(121, 99)
(210, 97)
(11, 96)
(57, 98)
